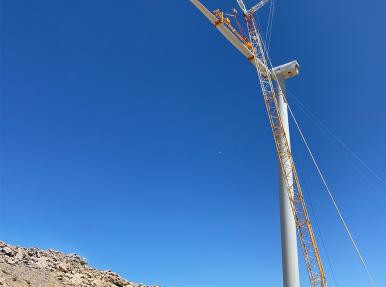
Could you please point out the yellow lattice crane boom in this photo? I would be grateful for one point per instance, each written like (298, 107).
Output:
(254, 49)
(299, 209)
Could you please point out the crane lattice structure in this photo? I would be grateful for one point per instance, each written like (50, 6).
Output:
(255, 51)
(299, 209)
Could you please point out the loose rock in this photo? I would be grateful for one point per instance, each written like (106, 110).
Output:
(32, 267)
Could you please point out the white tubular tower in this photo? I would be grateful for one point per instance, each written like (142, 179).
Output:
(287, 222)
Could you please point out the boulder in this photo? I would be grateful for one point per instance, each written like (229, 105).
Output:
(8, 251)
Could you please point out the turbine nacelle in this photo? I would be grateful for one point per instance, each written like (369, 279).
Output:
(286, 71)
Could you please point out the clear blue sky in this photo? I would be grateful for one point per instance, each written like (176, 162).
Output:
(133, 134)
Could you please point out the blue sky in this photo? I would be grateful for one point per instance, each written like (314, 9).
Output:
(133, 134)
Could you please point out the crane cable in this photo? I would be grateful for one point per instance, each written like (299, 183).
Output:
(331, 197)
(313, 212)
(324, 128)
(268, 32)
(322, 177)
(341, 147)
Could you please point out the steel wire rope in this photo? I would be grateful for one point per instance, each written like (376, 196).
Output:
(268, 32)
(330, 136)
(313, 212)
(314, 118)
(332, 197)
(270, 66)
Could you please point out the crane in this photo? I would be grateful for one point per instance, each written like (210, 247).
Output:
(254, 50)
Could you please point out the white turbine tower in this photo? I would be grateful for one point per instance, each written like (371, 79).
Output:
(280, 74)
(289, 249)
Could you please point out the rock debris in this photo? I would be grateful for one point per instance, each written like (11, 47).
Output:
(32, 267)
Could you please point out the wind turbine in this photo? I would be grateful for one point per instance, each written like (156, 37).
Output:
(293, 213)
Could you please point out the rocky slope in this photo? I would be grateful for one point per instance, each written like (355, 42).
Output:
(26, 267)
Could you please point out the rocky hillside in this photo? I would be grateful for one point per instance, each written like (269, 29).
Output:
(24, 267)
